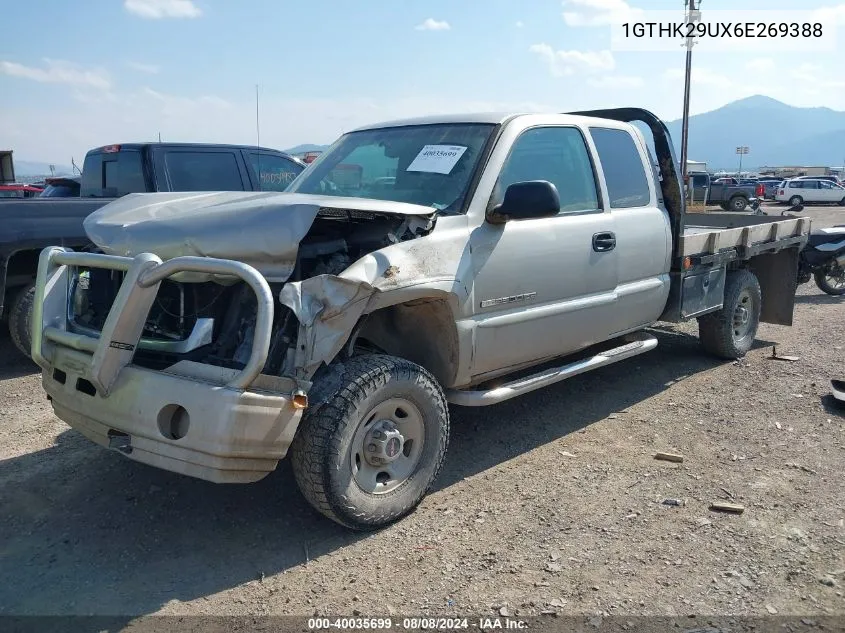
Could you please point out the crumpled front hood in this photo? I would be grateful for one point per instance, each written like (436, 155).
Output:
(262, 229)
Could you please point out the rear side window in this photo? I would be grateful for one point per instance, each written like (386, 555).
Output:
(113, 174)
(272, 172)
(203, 171)
(627, 184)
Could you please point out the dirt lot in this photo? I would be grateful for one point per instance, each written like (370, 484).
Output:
(548, 502)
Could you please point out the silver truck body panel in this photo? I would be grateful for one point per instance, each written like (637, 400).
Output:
(701, 236)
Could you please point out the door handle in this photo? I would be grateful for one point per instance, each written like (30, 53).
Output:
(603, 242)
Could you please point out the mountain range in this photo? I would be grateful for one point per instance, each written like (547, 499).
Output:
(776, 134)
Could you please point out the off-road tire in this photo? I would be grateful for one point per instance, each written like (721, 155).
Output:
(20, 317)
(320, 452)
(794, 201)
(738, 203)
(716, 330)
(821, 282)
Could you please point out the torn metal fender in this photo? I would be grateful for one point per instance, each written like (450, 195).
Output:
(327, 307)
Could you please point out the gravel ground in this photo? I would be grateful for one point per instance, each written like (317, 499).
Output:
(550, 502)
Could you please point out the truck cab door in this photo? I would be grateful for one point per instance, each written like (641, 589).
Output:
(643, 229)
(544, 287)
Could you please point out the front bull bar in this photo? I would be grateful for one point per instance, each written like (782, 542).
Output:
(115, 346)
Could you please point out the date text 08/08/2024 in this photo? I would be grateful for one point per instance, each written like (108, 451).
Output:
(416, 623)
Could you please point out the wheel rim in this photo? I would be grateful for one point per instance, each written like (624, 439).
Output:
(795, 201)
(739, 204)
(387, 446)
(743, 316)
(835, 277)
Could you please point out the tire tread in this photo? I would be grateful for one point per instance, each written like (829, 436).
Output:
(316, 441)
(715, 330)
(19, 319)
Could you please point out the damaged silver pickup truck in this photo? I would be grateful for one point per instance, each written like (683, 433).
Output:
(465, 259)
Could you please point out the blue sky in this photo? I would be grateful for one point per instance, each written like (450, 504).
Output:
(74, 75)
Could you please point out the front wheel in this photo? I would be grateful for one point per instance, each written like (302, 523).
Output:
(369, 453)
(730, 332)
(831, 279)
(20, 319)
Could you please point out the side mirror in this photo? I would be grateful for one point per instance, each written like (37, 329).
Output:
(526, 200)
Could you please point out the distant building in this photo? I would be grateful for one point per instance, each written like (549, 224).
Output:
(696, 167)
(793, 171)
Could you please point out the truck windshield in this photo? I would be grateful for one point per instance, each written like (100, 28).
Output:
(429, 165)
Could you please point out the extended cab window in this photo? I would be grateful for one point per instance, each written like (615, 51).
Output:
(558, 155)
(627, 183)
(203, 171)
(113, 174)
(273, 173)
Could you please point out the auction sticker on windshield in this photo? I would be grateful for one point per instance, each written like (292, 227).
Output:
(437, 159)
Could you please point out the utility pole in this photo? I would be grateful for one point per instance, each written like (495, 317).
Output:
(693, 15)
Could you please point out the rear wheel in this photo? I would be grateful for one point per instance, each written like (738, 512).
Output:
(794, 201)
(730, 332)
(738, 203)
(831, 279)
(368, 454)
(20, 318)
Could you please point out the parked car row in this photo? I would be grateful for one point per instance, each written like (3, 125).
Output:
(734, 194)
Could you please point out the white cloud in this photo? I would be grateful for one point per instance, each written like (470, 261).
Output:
(702, 76)
(562, 63)
(519, 24)
(148, 69)
(59, 72)
(431, 24)
(158, 9)
(815, 79)
(90, 119)
(761, 64)
(597, 12)
(830, 16)
(616, 82)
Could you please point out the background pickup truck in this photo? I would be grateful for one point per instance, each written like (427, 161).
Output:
(732, 195)
(111, 172)
(466, 259)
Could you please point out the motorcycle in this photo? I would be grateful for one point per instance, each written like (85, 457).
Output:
(823, 259)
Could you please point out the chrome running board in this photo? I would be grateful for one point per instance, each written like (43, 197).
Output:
(640, 344)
